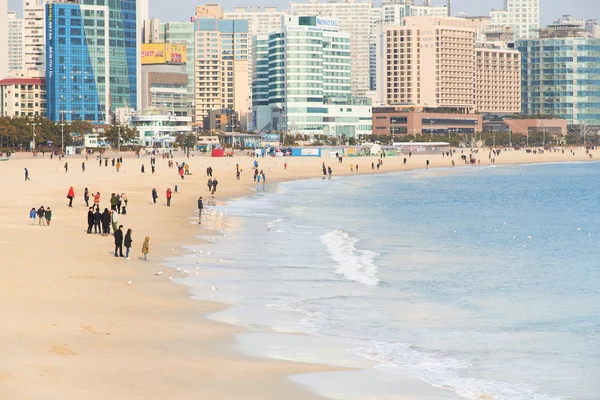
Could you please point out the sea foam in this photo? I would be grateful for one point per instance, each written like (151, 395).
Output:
(353, 264)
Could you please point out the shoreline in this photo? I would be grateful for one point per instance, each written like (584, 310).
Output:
(51, 333)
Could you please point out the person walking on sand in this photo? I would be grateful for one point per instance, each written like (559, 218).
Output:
(71, 196)
(48, 216)
(118, 165)
(154, 195)
(124, 201)
(66, 167)
(119, 241)
(86, 197)
(40, 213)
(143, 169)
(97, 221)
(200, 208)
(27, 175)
(83, 166)
(106, 222)
(427, 164)
(90, 220)
(127, 243)
(97, 199)
(146, 248)
(209, 184)
(33, 214)
(214, 186)
(169, 194)
(119, 202)
(114, 219)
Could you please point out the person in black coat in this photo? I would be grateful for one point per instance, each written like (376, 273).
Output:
(106, 222)
(119, 242)
(128, 242)
(97, 221)
(90, 220)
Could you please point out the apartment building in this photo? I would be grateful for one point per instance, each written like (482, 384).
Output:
(354, 18)
(3, 38)
(15, 42)
(309, 93)
(221, 70)
(34, 43)
(23, 96)
(523, 16)
(430, 61)
(497, 79)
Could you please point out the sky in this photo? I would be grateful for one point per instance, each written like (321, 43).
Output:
(182, 10)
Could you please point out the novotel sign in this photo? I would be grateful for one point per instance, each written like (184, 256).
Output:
(327, 22)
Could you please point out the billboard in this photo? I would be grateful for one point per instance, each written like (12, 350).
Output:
(161, 53)
(175, 53)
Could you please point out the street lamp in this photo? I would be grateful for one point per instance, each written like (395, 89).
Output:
(33, 124)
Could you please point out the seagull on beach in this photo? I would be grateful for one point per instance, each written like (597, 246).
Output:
(158, 273)
(214, 288)
(128, 282)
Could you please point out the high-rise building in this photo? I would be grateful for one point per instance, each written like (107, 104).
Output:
(497, 78)
(394, 11)
(376, 21)
(15, 42)
(429, 61)
(523, 16)
(175, 33)
(3, 38)
(311, 92)
(34, 41)
(183, 33)
(221, 72)
(353, 17)
(92, 59)
(260, 21)
(561, 74)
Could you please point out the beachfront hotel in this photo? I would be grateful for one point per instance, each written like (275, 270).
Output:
(561, 74)
(92, 59)
(354, 18)
(310, 93)
(428, 61)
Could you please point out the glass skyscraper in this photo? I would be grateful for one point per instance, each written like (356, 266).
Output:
(91, 59)
(561, 77)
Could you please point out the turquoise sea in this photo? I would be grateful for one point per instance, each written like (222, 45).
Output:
(474, 282)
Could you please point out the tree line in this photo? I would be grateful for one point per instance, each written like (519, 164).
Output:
(16, 133)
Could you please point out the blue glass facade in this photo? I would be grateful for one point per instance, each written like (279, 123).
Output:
(76, 60)
(92, 59)
(561, 77)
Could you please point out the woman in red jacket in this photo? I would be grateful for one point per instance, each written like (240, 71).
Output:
(169, 193)
(71, 196)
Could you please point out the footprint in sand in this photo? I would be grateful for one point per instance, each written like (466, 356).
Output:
(62, 351)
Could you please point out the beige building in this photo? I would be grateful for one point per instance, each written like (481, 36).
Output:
(221, 72)
(23, 96)
(497, 79)
(435, 62)
(429, 61)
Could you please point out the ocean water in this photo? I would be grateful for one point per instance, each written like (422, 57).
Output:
(476, 282)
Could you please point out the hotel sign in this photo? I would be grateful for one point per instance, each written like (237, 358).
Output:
(327, 23)
(49, 35)
(161, 53)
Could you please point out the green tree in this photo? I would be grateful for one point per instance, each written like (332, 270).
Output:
(127, 134)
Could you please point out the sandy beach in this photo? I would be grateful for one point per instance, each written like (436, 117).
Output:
(72, 328)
